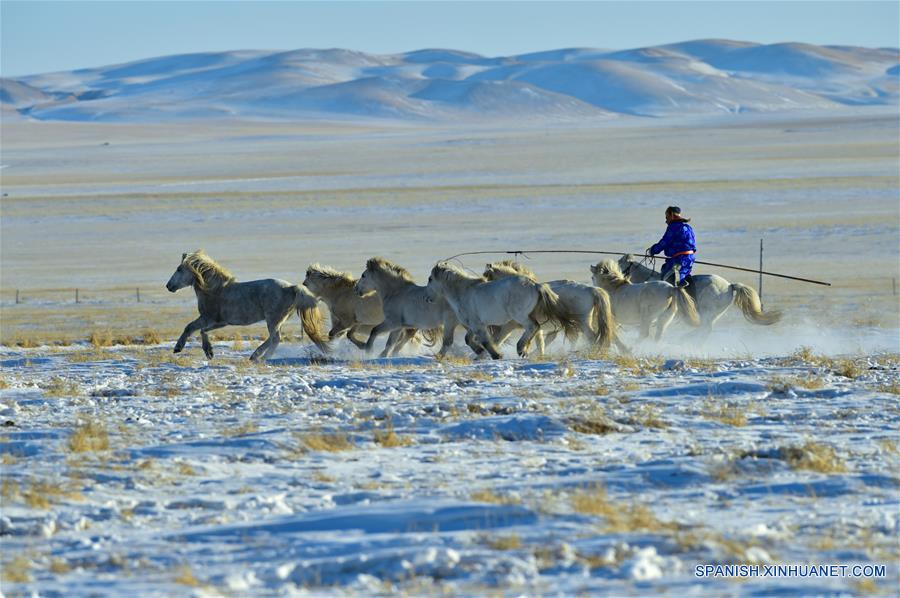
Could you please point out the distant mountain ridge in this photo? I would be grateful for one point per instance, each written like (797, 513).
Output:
(694, 77)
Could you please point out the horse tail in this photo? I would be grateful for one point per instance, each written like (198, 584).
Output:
(748, 301)
(549, 307)
(603, 318)
(311, 317)
(686, 305)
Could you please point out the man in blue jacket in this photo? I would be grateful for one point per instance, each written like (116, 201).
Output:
(678, 245)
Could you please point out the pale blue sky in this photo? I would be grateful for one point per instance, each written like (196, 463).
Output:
(39, 36)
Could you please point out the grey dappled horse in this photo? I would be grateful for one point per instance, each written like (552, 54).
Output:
(222, 302)
(712, 294)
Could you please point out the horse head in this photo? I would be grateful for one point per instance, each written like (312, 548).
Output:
(182, 277)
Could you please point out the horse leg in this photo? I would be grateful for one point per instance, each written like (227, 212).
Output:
(190, 329)
(207, 346)
(447, 340)
(383, 327)
(663, 321)
(501, 333)
(337, 330)
(488, 343)
(396, 340)
(473, 343)
(531, 329)
(403, 337)
(359, 344)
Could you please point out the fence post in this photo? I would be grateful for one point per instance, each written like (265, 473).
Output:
(76, 295)
(17, 296)
(138, 291)
(760, 270)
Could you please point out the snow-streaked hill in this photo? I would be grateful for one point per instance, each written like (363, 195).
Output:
(695, 77)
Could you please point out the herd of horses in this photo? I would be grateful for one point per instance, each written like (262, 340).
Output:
(490, 307)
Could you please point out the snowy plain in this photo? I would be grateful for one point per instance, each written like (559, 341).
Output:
(126, 469)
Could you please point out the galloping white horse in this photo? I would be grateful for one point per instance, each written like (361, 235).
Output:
(405, 306)
(590, 305)
(222, 301)
(713, 294)
(350, 313)
(479, 304)
(644, 303)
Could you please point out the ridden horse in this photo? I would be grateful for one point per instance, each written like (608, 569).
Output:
(713, 294)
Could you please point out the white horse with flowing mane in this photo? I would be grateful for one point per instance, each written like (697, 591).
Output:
(350, 313)
(479, 304)
(713, 294)
(405, 307)
(222, 301)
(643, 304)
(589, 304)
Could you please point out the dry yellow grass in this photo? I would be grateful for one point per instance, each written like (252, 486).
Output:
(892, 388)
(60, 387)
(332, 443)
(88, 437)
(594, 422)
(620, 517)
(185, 576)
(649, 416)
(59, 567)
(848, 368)
(17, 570)
(731, 415)
(783, 384)
(3, 383)
(390, 439)
(814, 456)
(489, 496)
(241, 430)
(510, 542)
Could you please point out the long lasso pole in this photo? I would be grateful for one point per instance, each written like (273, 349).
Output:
(525, 252)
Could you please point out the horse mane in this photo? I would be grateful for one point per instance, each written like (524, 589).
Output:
(209, 275)
(331, 276)
(514, 267)
(609, 269)
(379, 264)
(448, 268)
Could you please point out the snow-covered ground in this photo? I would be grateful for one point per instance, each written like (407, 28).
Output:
(129, 470)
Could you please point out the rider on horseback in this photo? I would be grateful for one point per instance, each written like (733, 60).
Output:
(679, 246)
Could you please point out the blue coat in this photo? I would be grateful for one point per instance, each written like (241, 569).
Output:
(679, 237)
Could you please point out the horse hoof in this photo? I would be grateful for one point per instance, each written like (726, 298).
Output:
(209, 354)
(177, 350)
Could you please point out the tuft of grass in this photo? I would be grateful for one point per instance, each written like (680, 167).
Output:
(89, 437)
(150, 337)
(848, 368)
(489, 496)
(731, 415)
(390, 439)
(649, 416)
(39, 493)
(3, 383)
(59, 566)
(892, 388)
(814, 456)
(241, 430)
(595, 422)
(453, 360)
(510, 542)
(101, 338)
(186, 469)
(620, 517)
(185, 576)
(18, 570)
(60, 387)
(783, 384)
(639, 366)
(332, 443)
(322, 477)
